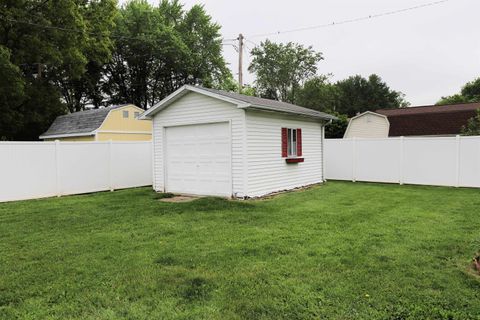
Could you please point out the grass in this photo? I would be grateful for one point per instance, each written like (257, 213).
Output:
(338, 251)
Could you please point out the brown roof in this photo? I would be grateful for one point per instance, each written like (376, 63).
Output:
(429, 120)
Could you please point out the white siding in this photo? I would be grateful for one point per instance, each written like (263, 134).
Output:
(368, 125)
(195, 108)
(267, 170)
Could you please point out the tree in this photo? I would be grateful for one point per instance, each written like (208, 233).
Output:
(337, 128)
(48, 45)
(358, 94)
(346, 98)
(470, 93)
(319, 94)
(159, 49)
(473, 126)
(85, 87)
(281, 69)
(12, 93)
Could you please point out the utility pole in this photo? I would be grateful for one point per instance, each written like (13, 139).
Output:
(240, 63)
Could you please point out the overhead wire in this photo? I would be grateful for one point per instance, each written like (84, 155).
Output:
(341, 22)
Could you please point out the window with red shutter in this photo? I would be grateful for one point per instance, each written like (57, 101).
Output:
(292, 144)
(284, 143)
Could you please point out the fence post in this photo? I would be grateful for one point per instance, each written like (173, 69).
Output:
(354, 153)
(400, 161)
(110, 165)
(457, 162)
(57, 168)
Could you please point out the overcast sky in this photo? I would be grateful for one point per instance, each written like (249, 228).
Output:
(425, 53)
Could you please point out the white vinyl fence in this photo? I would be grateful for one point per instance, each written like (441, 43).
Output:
(31, 170)
(439, 161)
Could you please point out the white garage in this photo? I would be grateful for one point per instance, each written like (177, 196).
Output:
(198, 159)
(212, 142)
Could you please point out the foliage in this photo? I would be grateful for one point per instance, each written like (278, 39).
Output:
(346, 98)
(96, 48)
(319, 94)
(12, 93)
(472, 128)
(42, 62)
(162, 48)
(337, 251)
(453, 99)
(470, 93)
(60, 56)
(358, 95)
(281, 69)
(336, 129)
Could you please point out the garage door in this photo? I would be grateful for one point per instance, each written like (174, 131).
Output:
(198, 159)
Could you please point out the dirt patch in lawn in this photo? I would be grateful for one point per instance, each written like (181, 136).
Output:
(179, 198)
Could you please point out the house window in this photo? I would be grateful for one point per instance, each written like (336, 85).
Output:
(136, 114)
(292, 142)
(125, 114)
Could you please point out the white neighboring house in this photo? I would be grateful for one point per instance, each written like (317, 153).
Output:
(368, 125)
(212, 142)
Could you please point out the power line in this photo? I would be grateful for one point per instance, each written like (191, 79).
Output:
(374, 16)
(252, 42)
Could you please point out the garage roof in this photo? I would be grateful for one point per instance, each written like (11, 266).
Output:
(243, 101)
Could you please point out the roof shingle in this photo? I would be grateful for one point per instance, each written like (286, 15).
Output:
(429, 120)
(273, 105)
(79, 122)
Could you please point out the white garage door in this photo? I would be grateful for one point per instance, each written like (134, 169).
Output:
(198, 159)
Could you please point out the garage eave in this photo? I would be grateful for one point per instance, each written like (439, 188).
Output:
(182, 92)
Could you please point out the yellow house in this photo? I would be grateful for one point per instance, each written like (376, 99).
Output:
(118, 123)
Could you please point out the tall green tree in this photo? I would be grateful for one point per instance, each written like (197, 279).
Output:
(319, 94)
(470, 93)
(162, 48)
(47, 44)
(85, 86)
(346, 98)
(281, 69)
(358, 94)
(12, 94)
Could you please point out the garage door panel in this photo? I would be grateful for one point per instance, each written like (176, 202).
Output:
(198, 159)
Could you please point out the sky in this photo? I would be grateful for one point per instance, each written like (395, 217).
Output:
(425, 53)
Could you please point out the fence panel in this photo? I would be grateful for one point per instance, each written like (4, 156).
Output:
(338, 159)
(384, 167)
(128, 169)
(469, 165)
(430, 161)
(30, 170)
(442, 161)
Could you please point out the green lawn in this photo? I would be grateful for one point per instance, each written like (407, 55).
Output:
(338, 251)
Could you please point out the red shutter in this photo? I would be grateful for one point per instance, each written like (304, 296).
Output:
(284, 142)
(299, 142)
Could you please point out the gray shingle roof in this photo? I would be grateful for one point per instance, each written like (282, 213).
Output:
(79, 122)
(273, 105)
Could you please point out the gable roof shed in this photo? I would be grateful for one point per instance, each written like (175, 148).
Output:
(82, 123)
(212, 142)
